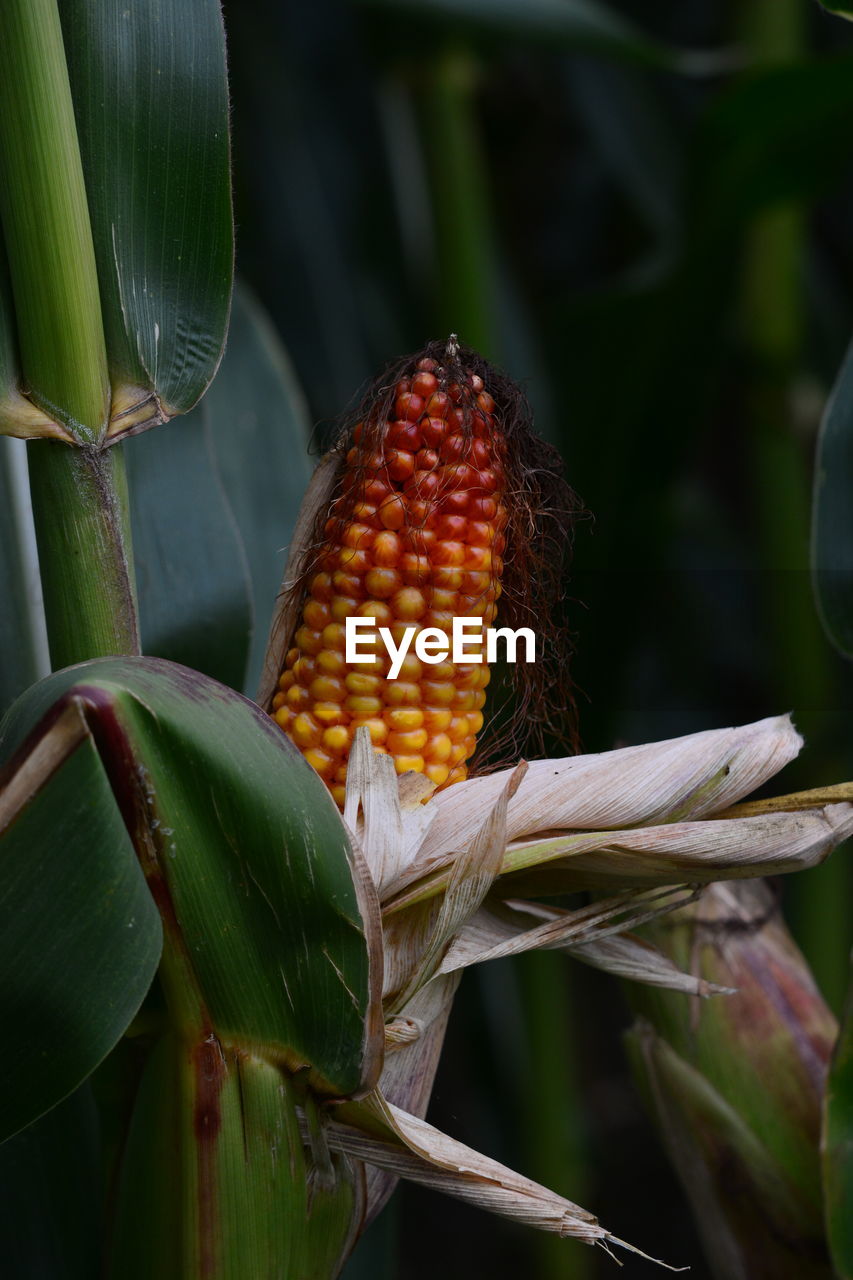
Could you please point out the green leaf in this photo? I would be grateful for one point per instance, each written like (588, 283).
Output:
(191, 573)
(838, 1147)
(585, 24)
(777, 135)
(268, 933)
(259, 432)
(832, 514)
(51, 1195)
(47, 230)
(216, 1179)
(151, 103)
(214, 506)
(79, 934)
(844, 9)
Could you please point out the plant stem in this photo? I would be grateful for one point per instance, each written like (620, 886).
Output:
(550, 1103)
(465, 299)
(774, 33)
(46, 224)
(80, 509)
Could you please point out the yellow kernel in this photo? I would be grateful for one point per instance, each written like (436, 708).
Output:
(377, 729)
(283, 716)
(304, 668)
(458, 774)
(407, 743)
(329, 713)
(336, 739)
(409, 764)
(475, 720)
(404, 719)
(439, 748)
(292, 655)
(359, 682)
(437, 773)
(319, 760)
(409, 604)
(437, 719)
(392, 512)
(411, 668)
(328, 689)
(387, 549)
(341, 772)
(334, 637)
(442, 672)
(458, 729)
(339, 795)
(321, 586)
(442, 598)
(447, 552)
(305, 730)
(459, 752)
(342, 607)
(399, 693)
(464, 700)
(479, 700)
(331, 662)
(358, 535)
(447, 579)
(286, 679)
(278, 701)
(309, 641)
(354, 561)
(316, 615)
(438, 694)
(378, 610)
(363, 708)
(298, 697)
(382, 583)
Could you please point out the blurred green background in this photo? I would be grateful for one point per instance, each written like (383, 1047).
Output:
(643, 213)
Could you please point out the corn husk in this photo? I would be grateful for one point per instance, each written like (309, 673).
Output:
(736, 1085)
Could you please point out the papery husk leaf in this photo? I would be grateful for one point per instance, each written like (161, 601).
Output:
(589, 935)
(680, 852)
(473, 875)
(385, 811)
(666, 781)
(413, 1045)
(409, 1147)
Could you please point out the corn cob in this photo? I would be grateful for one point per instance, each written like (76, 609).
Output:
(415, 537)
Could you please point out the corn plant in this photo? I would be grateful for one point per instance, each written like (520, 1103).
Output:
(233, 929)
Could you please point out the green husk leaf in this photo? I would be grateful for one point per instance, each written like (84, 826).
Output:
(714, 1150)
(216, 1180)
(838, 1147)
(151, 104)
(80, 937)
(832, 521)
(270, 929)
